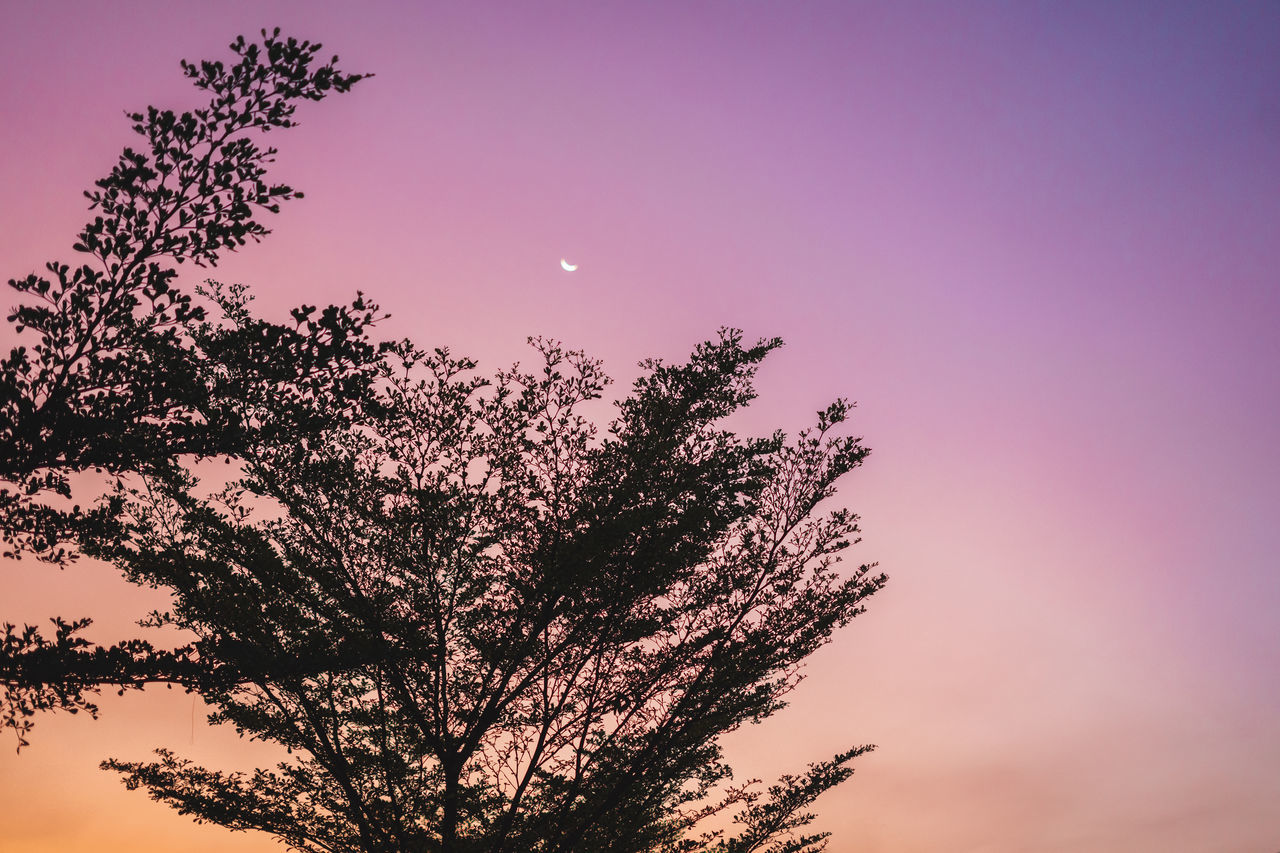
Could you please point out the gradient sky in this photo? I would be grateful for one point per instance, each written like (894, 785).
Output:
(1037, 242)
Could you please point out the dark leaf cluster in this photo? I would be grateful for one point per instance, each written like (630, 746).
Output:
(113, 375)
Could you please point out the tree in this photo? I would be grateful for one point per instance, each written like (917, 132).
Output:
(476, 621)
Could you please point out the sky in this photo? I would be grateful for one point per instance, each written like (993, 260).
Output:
(1037, 243)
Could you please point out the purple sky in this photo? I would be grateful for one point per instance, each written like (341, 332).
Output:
(1037, 242)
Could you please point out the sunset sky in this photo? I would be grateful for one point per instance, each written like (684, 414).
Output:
(1038, 242)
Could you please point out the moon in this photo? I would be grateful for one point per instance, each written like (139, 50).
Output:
(568, 267)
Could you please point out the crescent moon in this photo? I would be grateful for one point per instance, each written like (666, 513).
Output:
(568, 267)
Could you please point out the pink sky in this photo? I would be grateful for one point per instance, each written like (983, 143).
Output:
(1038, 243)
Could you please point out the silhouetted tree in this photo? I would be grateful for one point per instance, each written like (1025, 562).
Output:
(475, 621)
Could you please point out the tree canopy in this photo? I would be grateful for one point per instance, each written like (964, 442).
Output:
(477, 615)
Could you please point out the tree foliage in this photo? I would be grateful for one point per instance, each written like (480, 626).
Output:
(476, 620)
(115, 377)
